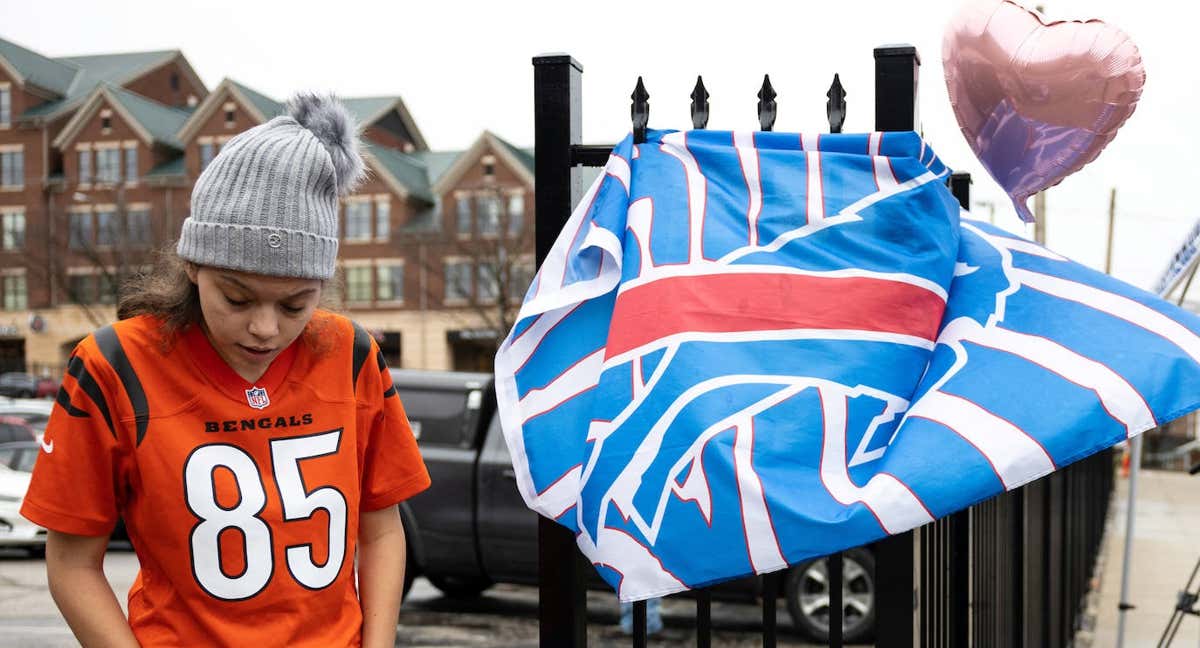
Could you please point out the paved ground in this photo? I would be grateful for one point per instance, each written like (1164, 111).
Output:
(1166, 545)
(505, 617)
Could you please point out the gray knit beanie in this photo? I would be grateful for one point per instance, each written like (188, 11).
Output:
(268, 203)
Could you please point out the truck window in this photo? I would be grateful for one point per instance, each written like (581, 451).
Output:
(440, 414)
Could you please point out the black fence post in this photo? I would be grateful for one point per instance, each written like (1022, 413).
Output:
(896, 68)
(960, 523)
(558, 120)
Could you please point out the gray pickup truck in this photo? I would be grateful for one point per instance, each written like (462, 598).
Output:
(472, 529)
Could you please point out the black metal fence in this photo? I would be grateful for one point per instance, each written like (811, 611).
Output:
(1011, 571)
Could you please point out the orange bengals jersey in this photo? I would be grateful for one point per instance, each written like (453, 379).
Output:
(242, 501)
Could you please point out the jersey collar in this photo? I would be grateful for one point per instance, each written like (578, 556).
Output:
(223, 377)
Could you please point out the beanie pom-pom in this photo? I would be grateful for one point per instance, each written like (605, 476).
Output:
(333, 125)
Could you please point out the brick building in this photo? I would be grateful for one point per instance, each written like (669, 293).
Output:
(97, 158)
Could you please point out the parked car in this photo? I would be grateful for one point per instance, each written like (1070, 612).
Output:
(471, 528)
(34, 412)
(18, 385)
(13, 428)
(19, 455)
(15, 530)
(47, 387)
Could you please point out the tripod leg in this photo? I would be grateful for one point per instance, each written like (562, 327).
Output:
(1185, 605)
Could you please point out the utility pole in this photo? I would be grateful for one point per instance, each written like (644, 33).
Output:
(1039, 212)
(1112, 221)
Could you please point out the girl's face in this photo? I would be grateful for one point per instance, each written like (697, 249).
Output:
(251, 318)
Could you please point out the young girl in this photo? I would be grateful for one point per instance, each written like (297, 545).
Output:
(251, 442)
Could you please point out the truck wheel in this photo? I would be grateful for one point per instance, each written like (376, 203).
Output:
(807, 589)
(460, 587)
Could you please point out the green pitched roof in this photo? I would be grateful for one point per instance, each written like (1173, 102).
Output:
(44, 72)
(365, 107)
(112, 68)
(75, 77)
(524, 156)
(264, 104)
(438, 162)
(407, 170)
(172, 167)
(161, 121)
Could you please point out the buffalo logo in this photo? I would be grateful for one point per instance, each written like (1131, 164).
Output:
(257, 398)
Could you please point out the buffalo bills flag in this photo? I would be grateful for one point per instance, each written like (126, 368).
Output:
(749, 349)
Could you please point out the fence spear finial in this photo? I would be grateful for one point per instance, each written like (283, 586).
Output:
(766, 104)
(640, 111)
(835, 108)
(699, 104)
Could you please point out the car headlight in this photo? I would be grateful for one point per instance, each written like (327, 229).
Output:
(9, 498)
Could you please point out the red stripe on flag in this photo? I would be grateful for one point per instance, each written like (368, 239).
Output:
(735, 303)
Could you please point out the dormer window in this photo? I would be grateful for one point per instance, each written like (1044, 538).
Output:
(489, 167)
(230, 115)
(175, 81)
(105, 122)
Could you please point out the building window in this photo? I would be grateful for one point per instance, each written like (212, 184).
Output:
(16, 296)
(489, 284)
(105, 124)
(85, 166)
(131, 164)
(175, 81)
(12, 168)
(464, 215)
(383, 219)
(358, 221)
(389, 283)
(106, 228)
(206, 154)
(5, 106)
(13, 225)
(229, 121)
(81, 231)
(81, 288)
(358, 284)
(489, 215)
(137, 227)
(108, 165)
(458, 280)
(516, 214)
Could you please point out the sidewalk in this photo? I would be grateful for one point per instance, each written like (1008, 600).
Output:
(1166, 545)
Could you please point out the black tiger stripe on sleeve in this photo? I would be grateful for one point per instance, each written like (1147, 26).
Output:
(64, 401)
(362, 349)
(110, 347)
(77, 370)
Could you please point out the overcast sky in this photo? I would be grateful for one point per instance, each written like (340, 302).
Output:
(463, 67)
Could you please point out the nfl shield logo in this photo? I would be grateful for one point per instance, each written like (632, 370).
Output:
(257, 398)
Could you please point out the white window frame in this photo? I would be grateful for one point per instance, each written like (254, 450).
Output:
(5, 92)
(358, 212)
(383, 218)
(6, 151)
(9, 216)
(130, 154)
(382, 265)
(13, 273)
(469, 293)
(359, 265)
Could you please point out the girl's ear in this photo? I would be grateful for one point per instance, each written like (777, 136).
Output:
(192, 271)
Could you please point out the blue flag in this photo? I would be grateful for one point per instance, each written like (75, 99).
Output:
(746, 350)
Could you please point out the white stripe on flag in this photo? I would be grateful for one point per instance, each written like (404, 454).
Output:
(894, 505)
(1015, 456)
(675, 145)
(1115, 305)
(1117, 396)
(643, 575)
(743, 143)
(618, 168)
(578, 377)
(761, 543)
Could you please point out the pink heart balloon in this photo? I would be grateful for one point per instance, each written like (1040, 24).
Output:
(1037, 101)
